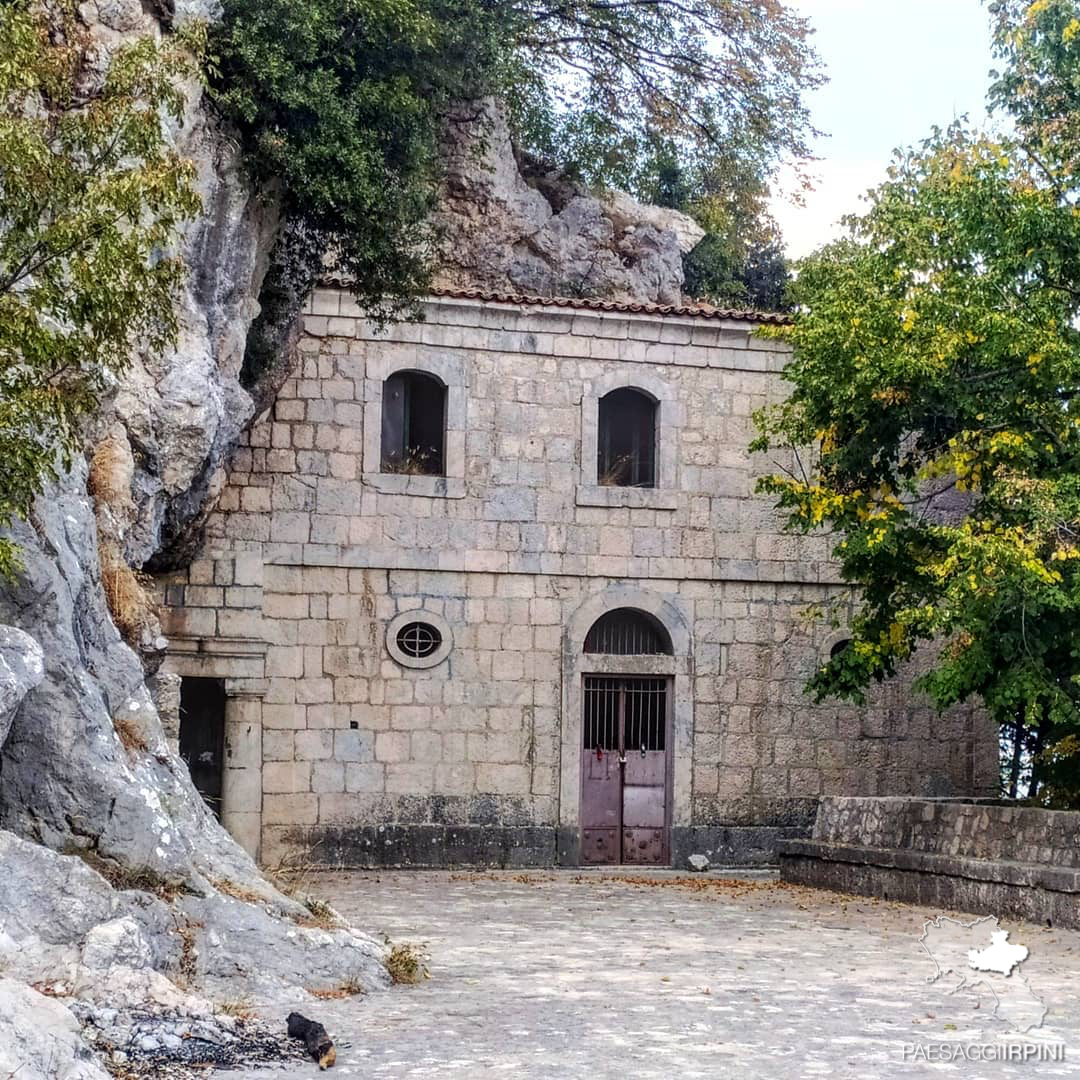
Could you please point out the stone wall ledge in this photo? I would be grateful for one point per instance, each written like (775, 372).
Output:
(997, 871)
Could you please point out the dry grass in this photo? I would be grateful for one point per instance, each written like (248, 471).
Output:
(291, 873)
(240, 1008)
(292, 877)
(415, 462)
(126, 592)
(323, 916)
(123, 878)
(131, 737)
(109, 482)
(407, 963)
(111, 471)
(189, 955)
(618, 471)
(349, 988)
(615, 472)
(238, 892)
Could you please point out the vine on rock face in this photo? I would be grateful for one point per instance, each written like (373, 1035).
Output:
(91, 196)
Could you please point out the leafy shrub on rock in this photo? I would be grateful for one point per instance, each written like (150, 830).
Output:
(91, 195)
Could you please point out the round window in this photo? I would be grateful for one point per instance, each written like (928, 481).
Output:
(418, 639)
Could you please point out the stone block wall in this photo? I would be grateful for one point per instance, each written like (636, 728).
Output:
(313, 553)
(986, 857)
(982, 829)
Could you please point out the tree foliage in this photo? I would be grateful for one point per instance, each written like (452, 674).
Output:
(90, 198)
(598, 81)
(339, 101)
(739, 261)
(936, 374)
(342, 100)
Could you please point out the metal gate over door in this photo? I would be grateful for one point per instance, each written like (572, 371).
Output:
(625, 791)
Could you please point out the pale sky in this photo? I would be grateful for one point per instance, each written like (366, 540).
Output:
(896, 68)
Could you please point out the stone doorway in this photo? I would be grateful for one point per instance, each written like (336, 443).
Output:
(625, 770)
(202, 736)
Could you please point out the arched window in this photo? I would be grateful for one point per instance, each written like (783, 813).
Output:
(626, 439)
(628, 632)
(414, 424)
(839, 647)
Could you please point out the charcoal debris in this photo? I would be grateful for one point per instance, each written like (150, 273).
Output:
(173, 1045)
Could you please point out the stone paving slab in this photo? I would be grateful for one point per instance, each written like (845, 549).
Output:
(638, 975)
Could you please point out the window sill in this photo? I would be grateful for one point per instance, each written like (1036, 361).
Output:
(635, 497)
(432, 487)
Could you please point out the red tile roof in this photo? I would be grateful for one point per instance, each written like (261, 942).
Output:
(699, 311)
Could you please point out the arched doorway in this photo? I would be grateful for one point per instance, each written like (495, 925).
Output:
(626, 761)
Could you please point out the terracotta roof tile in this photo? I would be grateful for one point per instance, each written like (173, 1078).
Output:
(699, 311)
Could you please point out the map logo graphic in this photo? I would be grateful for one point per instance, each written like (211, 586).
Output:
(979, 955)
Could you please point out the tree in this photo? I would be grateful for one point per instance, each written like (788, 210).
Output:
(597, 82)
(739, 261)
(341, 102)
(90, 199)
(937, 372)
(1040, 44)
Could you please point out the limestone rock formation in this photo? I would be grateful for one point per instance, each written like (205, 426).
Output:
(88, 780)
(512, 227)
(21, 669)
(63, 924)
(40, 1039)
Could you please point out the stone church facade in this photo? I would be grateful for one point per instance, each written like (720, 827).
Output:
(494, 588)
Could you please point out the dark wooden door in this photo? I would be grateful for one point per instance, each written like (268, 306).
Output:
(625, 788)
(202, 736)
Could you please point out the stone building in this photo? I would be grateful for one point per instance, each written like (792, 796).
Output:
(495, 588)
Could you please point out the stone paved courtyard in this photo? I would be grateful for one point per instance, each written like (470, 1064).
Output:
(624, 974)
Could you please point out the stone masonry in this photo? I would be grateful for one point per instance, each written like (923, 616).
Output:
(986, 856)
(337, 751)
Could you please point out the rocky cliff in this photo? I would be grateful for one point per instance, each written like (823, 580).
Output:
(117, 881)
(509, 224)
(116, 878)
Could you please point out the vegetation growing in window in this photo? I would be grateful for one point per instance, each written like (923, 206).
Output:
(413, 424)
(626, 439)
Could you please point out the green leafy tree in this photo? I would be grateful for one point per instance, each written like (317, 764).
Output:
(740, 260)
(936, 374)
(936, 370)
(341, 102)
(597, 82)
(90, 198)
(1039, 87)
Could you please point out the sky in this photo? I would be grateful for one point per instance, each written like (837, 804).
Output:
(896, 68)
